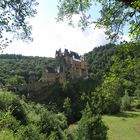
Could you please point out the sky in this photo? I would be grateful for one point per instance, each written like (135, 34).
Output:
(50, 35)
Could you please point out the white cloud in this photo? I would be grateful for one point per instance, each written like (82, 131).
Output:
(125, 37)
(50, 35)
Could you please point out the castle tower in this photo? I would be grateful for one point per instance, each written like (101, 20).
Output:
(69, 65)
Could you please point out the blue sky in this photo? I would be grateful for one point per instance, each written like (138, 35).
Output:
(50, 7)
(50, 35)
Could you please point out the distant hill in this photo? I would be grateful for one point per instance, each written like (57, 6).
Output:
(100, 60)
(11, 65)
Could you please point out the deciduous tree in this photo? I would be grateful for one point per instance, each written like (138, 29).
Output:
(14, 16)
(115, 14)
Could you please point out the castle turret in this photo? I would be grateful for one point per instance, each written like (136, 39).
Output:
(69, 65)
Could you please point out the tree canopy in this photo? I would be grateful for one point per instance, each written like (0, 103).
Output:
(115, 14)
(14, 16)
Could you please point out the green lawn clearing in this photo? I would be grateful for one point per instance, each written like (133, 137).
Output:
(124, 126)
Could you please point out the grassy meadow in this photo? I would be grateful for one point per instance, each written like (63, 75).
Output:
(124, 126)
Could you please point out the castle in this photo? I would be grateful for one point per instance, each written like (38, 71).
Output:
(69, 65)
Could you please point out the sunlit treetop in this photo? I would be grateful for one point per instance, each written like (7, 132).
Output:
(115, 14)
(14, 15)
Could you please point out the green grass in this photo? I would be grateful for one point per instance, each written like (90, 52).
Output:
(124, 126)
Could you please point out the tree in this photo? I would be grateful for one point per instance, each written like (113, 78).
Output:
(53, 125)
(14, 16)
(137, 92)
(91, 126)
(115, 14)
(126, 102)
(111, 90)
(15, 80)
(100, 61)
(67, 108)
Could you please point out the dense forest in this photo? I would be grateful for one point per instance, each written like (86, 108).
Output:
(112, 87)
(77, 109)
(13, 65)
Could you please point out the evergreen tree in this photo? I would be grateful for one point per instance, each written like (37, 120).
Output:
(91, 126)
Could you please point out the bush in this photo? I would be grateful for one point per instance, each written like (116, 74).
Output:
(7, 121)
(6, 99)
(138, 106)
(111, 104)
(29, 132)
(53, 125)
(137, 93)
(22, 120)
(68, 110)
(19, 111)
(126, 102)
(6, 134)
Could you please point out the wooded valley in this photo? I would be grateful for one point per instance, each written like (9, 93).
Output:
(112, 87)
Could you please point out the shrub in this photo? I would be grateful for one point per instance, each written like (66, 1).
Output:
(6, 134)
(67, 109)
(137, 93)
(19, 112)
(29, 132)
(7, 121)
(138, 106)
(53, 125)
(126, 102)
(111, 104)
(6, 99)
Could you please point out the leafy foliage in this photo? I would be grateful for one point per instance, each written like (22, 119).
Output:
(15, 80)
(26, 120)
(115, 14)
(90, 125)
(14, 67)
(100, 61)
(112, 85)
(126, 102)
(121, 79)
(67, 97)
(14, 15)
